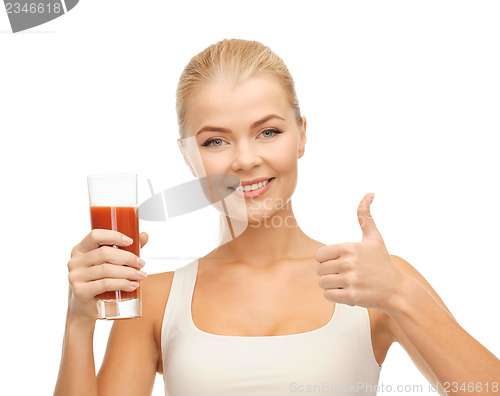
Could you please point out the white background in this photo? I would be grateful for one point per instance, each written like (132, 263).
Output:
(401, 99)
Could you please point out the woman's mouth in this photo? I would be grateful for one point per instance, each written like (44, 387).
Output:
(254, 190)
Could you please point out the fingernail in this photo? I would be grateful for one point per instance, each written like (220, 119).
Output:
(373, 196)
(128, 240)
(142, 274)
(141, 262)
(134, 284)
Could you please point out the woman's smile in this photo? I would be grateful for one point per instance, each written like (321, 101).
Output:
(253, 190)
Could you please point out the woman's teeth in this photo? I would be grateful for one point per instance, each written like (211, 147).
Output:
(252, 187)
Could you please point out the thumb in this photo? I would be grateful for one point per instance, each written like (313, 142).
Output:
(365, 218)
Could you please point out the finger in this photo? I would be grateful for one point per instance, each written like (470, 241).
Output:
(332, 281)
(108, 254)
(338, 296)
(365, 218)
(110, 284)
(100, 237)
(143, 239)
(108, 270)
(331, 267)
(329, 252)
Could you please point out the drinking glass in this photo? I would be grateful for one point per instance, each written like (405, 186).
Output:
(113, 206)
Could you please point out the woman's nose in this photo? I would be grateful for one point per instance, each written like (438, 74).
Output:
(246, 156)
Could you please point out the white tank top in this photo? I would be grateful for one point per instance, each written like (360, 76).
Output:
(335, 358)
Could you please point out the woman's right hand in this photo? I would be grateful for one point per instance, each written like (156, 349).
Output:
(96, 267)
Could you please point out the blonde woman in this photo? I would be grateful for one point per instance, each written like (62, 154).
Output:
(270, 311)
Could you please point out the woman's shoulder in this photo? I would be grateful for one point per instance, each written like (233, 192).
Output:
(156, 287)
(155, 293)
(155, 283)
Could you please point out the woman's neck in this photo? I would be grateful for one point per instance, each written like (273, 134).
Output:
(266, 242)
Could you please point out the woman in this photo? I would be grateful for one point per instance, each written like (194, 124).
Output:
(270, 311)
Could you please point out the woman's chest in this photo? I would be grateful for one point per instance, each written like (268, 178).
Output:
(260, 306)
(272, 308)
(262, 317)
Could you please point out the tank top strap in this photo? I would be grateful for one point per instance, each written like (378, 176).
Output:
(356, 322)
(176, 313)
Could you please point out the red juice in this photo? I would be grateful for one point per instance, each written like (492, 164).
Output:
(123, 219)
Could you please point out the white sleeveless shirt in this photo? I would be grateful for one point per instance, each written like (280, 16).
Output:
(335, 358)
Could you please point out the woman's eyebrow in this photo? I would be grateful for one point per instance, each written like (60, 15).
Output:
(254, 125)
(265, 119)
(213, 129)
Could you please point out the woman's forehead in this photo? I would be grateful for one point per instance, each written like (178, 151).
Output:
(244, 103)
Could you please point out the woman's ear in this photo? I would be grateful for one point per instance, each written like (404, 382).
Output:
(303, 138)
(188, 163)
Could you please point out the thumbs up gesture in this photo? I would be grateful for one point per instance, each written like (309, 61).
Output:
(360, 273)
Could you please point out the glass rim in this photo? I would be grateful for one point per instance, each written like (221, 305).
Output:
(111, 175)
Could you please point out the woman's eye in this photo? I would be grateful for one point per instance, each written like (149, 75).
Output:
(270, 132)
(217, 142)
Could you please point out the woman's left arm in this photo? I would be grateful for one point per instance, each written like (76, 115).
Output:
(421, 323)
(365, 274)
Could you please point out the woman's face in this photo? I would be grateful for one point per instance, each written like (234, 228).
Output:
(248, 131)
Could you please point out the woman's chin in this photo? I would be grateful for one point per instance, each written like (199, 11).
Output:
(255, 213)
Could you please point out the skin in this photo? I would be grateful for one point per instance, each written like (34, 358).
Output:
(243, 287)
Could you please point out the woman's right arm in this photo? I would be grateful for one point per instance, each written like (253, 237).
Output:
(77, 369)
(96, 267)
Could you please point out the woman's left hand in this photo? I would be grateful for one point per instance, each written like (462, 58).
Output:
(360, 273)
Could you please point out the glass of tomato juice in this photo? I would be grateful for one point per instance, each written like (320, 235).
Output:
(113, 206)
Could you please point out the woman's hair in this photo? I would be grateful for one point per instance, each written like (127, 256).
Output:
(232, 61)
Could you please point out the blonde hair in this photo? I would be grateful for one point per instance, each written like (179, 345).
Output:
(232, 61)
